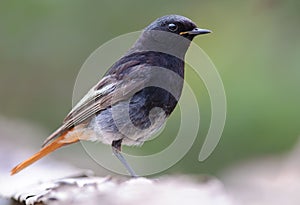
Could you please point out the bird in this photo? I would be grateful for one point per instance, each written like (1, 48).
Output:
(135, 96)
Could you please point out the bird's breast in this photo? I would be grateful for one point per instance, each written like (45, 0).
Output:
(140, 116)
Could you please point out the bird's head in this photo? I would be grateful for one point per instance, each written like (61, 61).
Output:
(176, 24)
(170, 34)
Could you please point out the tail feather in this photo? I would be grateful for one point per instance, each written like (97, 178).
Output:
(54, 145)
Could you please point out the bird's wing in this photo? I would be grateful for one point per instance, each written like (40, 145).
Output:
(110, 90)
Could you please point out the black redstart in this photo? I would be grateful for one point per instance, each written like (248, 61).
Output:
(136, 95)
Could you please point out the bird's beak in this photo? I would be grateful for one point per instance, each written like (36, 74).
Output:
(196, 31)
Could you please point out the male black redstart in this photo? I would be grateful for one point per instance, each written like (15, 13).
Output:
(136, 95)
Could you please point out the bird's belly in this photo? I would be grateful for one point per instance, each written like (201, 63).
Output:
(122, 121)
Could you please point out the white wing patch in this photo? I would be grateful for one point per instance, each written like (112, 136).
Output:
(93, 93)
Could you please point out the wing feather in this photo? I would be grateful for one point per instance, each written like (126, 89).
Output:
(110, 90)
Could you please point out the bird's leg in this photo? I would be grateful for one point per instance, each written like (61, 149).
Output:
(116, 148)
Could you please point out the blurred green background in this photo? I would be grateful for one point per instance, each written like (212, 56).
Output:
(255, 47)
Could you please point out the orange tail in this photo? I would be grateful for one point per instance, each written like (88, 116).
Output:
(57, 143)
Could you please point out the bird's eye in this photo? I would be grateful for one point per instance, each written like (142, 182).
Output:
(172, 27)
